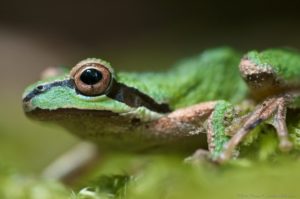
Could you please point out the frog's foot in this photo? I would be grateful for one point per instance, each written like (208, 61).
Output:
(273, 108)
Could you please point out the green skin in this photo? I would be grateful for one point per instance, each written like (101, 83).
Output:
(211, 77)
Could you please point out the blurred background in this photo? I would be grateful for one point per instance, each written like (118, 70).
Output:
(132, 35)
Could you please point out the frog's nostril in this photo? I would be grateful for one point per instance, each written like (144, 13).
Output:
(40, 87)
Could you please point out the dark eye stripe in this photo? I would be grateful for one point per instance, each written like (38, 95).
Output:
(134, 98)
(45, 87)
(120, 92)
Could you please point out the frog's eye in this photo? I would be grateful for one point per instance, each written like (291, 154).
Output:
(91, 78)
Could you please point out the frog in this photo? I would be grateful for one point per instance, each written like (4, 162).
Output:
(193, 107)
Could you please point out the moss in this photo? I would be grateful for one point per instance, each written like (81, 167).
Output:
(162, 177)
(14, 185)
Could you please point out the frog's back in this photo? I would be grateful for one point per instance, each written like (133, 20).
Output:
(212, 75)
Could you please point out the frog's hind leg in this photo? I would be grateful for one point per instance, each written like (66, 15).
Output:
(274, 108)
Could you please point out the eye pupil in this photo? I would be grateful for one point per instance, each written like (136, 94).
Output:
(91, 76)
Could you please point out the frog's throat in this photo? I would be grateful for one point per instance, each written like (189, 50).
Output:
(117, 91)
(69, 114)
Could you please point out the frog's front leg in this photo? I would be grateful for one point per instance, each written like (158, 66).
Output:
(211, 118)
(185, 121)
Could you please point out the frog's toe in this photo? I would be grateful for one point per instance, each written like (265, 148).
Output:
(279, 122)
(272, 108)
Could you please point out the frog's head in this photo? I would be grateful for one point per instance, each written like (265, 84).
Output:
(91, 85)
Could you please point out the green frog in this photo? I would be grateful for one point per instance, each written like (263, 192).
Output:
(197, 104)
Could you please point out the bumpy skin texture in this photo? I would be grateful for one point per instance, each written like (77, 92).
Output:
(202, 78)
(219, 138)
(198, 79)
(113, 124)
(271, 72)
(285, 63)
(212, 75)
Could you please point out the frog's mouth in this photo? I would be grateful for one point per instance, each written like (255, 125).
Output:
(62, 114)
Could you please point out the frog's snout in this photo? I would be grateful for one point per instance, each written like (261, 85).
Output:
(27, 106)
(42, 88)
(37, 90)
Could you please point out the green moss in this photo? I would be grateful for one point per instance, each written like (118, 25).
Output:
(14, 185)
(259, 172)
(168, 178)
